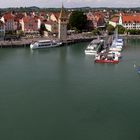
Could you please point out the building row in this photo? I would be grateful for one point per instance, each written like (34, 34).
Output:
(15, 23)
(128, 21)
(31, 22)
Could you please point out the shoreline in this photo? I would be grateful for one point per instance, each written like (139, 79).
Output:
(25, 42)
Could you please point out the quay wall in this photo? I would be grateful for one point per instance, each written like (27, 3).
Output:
(27, 42)
(130, 36)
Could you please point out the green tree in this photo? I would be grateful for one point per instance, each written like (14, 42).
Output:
(133, 32)
(42, 29)
(78, 20)
(121, 29)
(110, 29)
(96, 32)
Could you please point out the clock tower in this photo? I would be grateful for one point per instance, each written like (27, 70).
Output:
(62, 24)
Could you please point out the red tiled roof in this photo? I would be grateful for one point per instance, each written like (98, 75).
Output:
(131, 18)
(19, 16)
(28, 19)
(8, 16)
(43, 13)
(115, 19)
(56, 15)
(95, 16)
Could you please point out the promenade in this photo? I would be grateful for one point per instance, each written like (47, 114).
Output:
(25, 42)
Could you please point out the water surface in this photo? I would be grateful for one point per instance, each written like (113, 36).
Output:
(61, 94)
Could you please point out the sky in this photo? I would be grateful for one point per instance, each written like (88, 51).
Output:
(69, 3)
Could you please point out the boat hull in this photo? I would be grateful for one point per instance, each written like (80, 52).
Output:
(107, 61)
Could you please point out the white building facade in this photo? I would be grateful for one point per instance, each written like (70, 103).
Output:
(128, 21)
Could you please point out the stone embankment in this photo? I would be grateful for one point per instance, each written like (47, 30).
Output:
(25, 42)
(71, 39)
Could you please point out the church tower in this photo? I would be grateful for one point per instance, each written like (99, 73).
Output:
(62, 25)
(120, 19)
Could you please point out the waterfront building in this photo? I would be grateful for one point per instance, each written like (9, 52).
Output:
(51, 23)
(42, 14)
(95, 20)
(51, 26)
(62, 24)
(10, 22)
(128, 21)
(54, 16)
(18, 19)
(30, 24)
(21, 22)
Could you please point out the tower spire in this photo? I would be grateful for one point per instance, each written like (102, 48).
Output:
(62, 12)
(62, 24)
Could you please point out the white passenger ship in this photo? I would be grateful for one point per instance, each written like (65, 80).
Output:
(45, 44)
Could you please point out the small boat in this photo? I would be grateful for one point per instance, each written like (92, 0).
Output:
(107, 58)
(137, 68)
(91, 49)
(45, 44)
(116, 46)
(117, 43)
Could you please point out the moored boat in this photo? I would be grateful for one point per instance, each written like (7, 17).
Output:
(45, 44)
(117, 45)
(107, 58)
(119, 42)
(93, 47)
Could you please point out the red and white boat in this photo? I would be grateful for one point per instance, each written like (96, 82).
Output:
(107, 58)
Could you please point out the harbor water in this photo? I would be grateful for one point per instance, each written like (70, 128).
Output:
(61, 94)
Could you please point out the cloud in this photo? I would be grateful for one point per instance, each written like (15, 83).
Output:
(103, 3)
(69, 3)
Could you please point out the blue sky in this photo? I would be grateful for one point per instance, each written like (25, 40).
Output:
(70, 3)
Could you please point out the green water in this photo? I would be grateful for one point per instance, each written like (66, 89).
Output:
(61, 94)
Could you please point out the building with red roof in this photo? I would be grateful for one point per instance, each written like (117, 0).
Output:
(95, 20)
(20, 21)
(51, 26)
(53, 16)
(30, 24)
(10, 22)
(129, 21)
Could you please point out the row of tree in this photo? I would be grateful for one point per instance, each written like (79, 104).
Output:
(122, 30)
